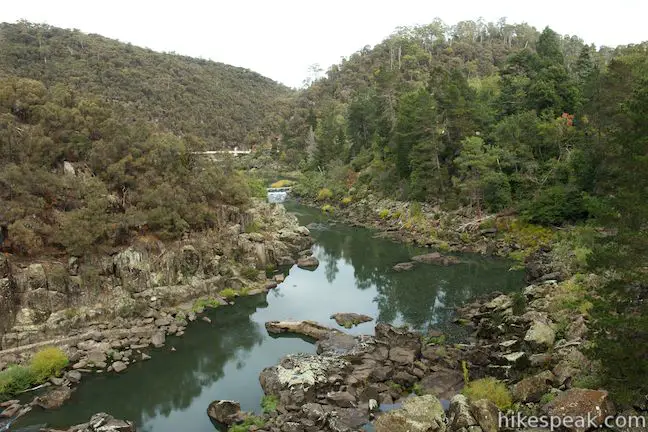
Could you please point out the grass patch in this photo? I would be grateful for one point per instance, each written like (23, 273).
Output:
(572, 295)
(48, 362)
(250, 272)
(14, 380)
(229, 294)
(202, 303)
(383, 214)
(253, 227)
(519, 303)
(269, 403)
(250, 421)
(328, 209)
(491, 389)
(346, 201)
(282, 183)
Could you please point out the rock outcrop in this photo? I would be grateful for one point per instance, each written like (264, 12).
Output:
(100, 422)
(306, 328)
(349, 319)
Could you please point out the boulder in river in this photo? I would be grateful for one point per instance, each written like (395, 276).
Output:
(308, 263)
(404, 266)
(224, 412)
(436, 258)
(54, 398)
(349, 319)
(101, 422)
(305, 328)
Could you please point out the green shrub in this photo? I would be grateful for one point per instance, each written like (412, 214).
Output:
(491, 389)
(256, 188)
(346, 201)
(324, 194)
(202, 303)
(383, 214)
(250, 421)
(269, 403)
(48, 362)
(253, 227)
(555, 205)
(328, 209)
(282, 183)
(228, 293)
(497, 191)
(250, 272)
(14, 380)
(519, 303)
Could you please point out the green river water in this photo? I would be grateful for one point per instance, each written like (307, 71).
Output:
(222, 360)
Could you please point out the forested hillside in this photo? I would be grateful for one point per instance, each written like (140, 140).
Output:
(222, 104)
(493, 117)
(96, 140)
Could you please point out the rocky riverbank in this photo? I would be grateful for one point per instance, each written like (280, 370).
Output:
(107, 312)
(399, 380)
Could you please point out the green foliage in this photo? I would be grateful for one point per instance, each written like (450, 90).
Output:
(249, 421)
(282, 183)
(250, 272)
(324, 194)
(346, 201)
(257, 187)
(202, 303)
(15, 379)
(519, 303)
(383, 214)
(229, 294)
(253, 227)
(417, 389)
(328, 209)
(269, 403)
(491, 389)
(48, 362)
(465, 371)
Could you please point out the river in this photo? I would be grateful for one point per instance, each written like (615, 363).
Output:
(222, 359)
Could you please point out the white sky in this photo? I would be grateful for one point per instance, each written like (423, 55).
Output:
(281, 38)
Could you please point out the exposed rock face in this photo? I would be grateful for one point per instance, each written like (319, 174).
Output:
(436, 258)
(581, 403)
(348, 320)
(305, 328)
(540, 336)
(418, 414)
(531, 389)
(43, 300)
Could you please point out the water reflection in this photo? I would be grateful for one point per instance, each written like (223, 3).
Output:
(222, 360)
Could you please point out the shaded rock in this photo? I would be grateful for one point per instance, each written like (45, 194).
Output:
(402, 355)
(119, 366)
(74, 376)
(541, 336)
(158, 339)
(305, 328)
(436, 258)
(398, 337)
(531, 389)
(418, 414)
(577, 329)
(336, 343)
(342, 399)
(349, 319)
(486, 414)
(103, 422)
(279, 278)
(518, 360)
(459, 414)
(224, 412)
(308, 263)
(53, 398)
(404, 266)
(443, 383)
(581, 403)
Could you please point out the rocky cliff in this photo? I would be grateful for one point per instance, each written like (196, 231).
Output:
(53, 297)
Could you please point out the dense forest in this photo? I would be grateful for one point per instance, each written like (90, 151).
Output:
(225, 106)
(96, 139)
(494, 117)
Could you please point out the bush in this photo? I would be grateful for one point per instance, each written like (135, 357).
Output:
(203, 303)
(250, 273)
(257, 188)
(324, 194)
(497, 191)
(48, 362)
(269, 403)
(491, 389)
(346, 201)
(14, 380)
(383, 214)
(24, 241)
(328, 209)
(228, 293)
(556, 205)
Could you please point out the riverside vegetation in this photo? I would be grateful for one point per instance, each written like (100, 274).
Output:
(489, 137)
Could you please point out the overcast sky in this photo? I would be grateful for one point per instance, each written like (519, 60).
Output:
(281, 38)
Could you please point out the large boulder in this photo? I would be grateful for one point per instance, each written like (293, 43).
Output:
(436, 258)
(404, 266)
(224, 412)
(443, 383)
(54, 398)
(581, 404)
(398, 337)
(308, 263)
(541, 336)
(460, 416)
(531, 389)
(305, 328)
(418, 414)
(102, 422)
(350, 319)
